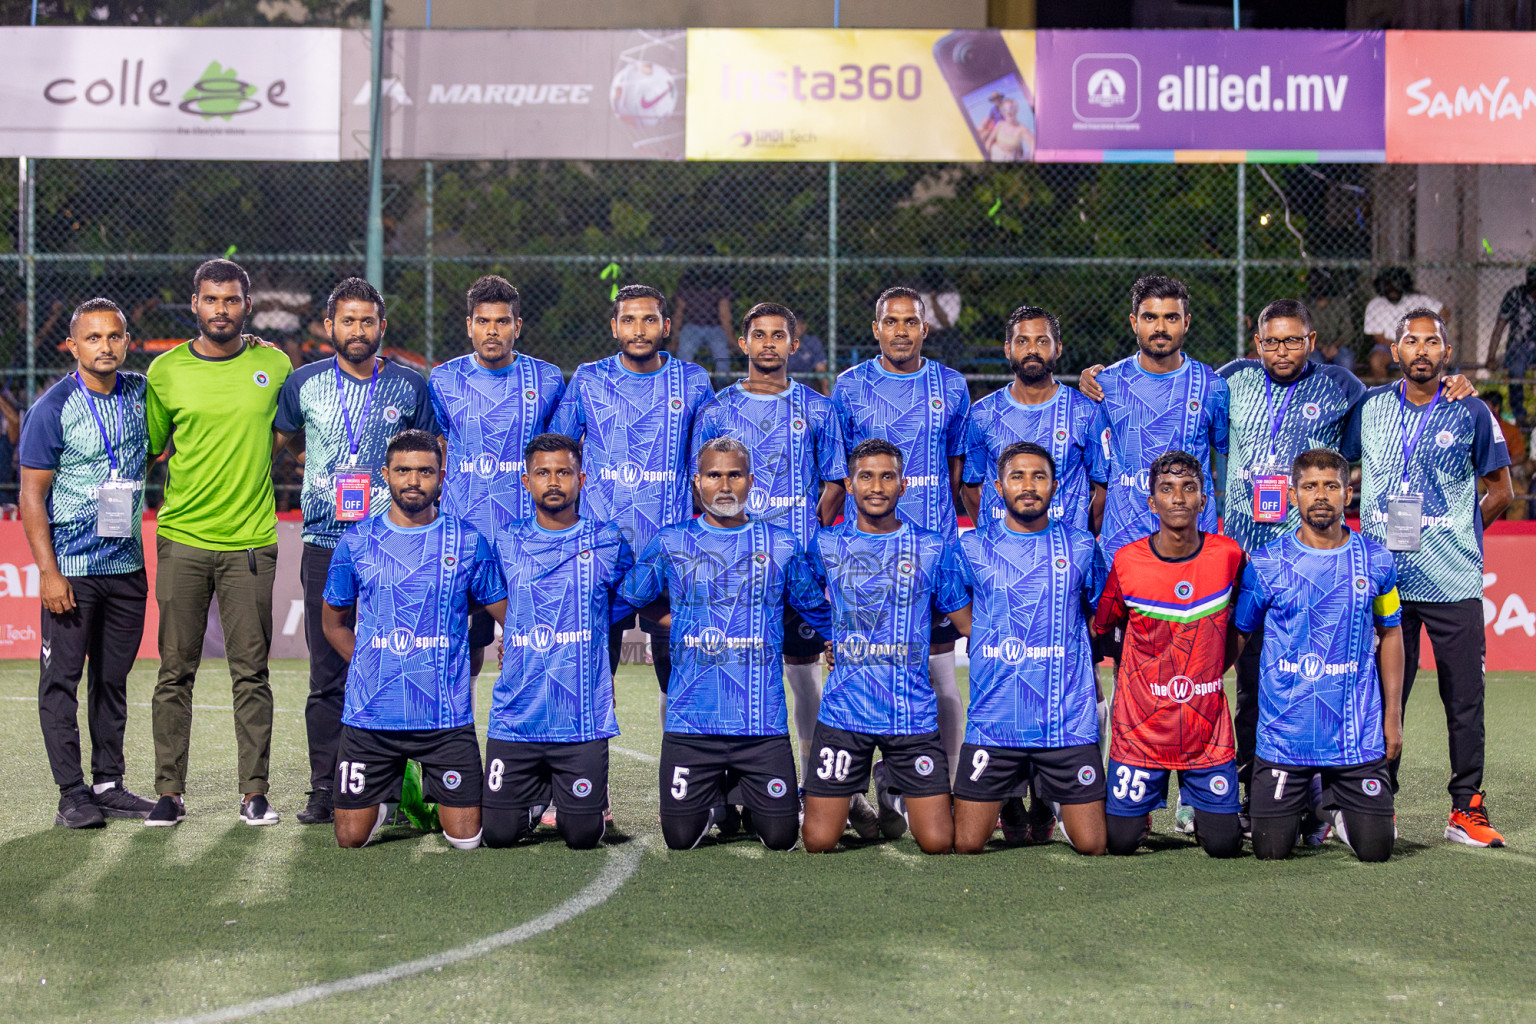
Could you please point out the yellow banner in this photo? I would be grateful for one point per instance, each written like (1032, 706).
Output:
(860, 94)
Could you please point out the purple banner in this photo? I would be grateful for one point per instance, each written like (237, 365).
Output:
(1160, 92)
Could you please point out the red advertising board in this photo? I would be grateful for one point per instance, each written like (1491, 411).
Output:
(1461, 97)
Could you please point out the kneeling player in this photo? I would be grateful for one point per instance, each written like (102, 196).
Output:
(886, 578)
(1323, 712)
(1034, 699)
(727, 578)
(1173, 594)
(411, 574)
(552, 710)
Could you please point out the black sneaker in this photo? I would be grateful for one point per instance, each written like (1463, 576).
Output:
(256, 811)
(78, 810)
(320, 809)
(118, 802)
(169, 811)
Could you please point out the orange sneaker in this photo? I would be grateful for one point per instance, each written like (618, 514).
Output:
(1469, 825)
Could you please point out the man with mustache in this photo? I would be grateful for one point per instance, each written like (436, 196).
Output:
(1328, 718)
(1173, 593)
(798, 465)
(488, 405)
(726, 578)
(397, 605)
(346, 408)
(1421, 459)
(919, 406)
(212, 403)
(552, 710)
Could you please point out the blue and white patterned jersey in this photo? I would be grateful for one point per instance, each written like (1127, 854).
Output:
(727, 590)
(1142, 416)
(1460, 443)
(795, 444)
(1319, 695)
(1062, 425)
(1032, 596)
(312, 402)
(635, 431)
(921, 413)
(1310, 413)
(554, 685)
(60, 433)
(886, 590)
(488, 417)
(411, 585)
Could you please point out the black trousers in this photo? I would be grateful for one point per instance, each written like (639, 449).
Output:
(1245, 723)
(661, 650)
(327, 673)
(1456, 635)
(104, 629)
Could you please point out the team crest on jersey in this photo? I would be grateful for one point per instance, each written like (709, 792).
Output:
(261, 378)
(581, 787)
(805, 630)
(1180, 689)
(677, 404)
(1311, 667)
(450, 560)
(1220, 785)
(938, 404)
(585, 554)
(923, 765)
(452, 779)
(1445, 439)
(1183, 590)
(1061, 434)
(777, 788)
(797, 425)
(391, 414)
(1360, 584)
(904, 567)
(1086, 774)
(541, 638)
(1370, 787)
(531, 395)
(401, 640)
(1194, 405)
(757, 501)
(1311, 410)
(1060, 563)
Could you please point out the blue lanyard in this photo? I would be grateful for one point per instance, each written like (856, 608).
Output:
(1276, 422)
(1411, 444)
(354, 440)
(90, 400)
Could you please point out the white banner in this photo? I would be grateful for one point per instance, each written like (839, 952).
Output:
(171, 93)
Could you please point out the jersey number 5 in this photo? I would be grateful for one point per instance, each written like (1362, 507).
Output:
(679, 782)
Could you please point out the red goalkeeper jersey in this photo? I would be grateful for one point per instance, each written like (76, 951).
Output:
(1170, 710)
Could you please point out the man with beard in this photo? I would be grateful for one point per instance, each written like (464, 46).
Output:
(727, 578)
(213, 401)
(1328, 720)
(1421, 459)
(797, 462)
(633, 414)
(348, 407)
(407, 578)
(488, 405)
(552, 710)
(919, 406)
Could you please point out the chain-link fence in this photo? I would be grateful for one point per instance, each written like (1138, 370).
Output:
(978, 239)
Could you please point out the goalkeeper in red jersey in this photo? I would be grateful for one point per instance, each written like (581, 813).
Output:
(1173, 593)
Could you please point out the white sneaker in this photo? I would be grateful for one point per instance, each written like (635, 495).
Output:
(1183, 817)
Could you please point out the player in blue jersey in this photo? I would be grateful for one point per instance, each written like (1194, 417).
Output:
(1033, 715)
(1421, 462)
(633, 414)
(1325, 597)
(552, 710)
(726, 578)
(1158, 400)
(888, 580)
(489, 404)
(920, 406)
(84, 450)
(345, 410)
(1038, 409)
(792, 434)
(397, 607)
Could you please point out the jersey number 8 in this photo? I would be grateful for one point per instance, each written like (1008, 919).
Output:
(493, 777)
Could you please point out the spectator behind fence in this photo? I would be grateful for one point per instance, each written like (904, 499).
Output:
(702, 309)
(1394, 297)
(809, 360)
(1334, 321)
(1519, 457)
(1517, 311)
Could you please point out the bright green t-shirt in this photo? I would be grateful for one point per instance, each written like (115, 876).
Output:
(217, 415)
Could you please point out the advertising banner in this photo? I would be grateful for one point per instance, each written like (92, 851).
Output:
(860, 94)
(492, 95)
(170, 93)
(1216, 96)
(1461, 97)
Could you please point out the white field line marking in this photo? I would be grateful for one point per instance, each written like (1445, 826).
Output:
(622, 863)
(636, 754)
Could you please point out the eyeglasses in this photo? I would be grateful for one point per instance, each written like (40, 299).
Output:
(1291, 344)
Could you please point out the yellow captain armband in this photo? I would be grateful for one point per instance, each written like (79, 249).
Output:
(1387, 605)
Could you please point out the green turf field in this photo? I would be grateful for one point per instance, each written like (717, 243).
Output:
(136, 924)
